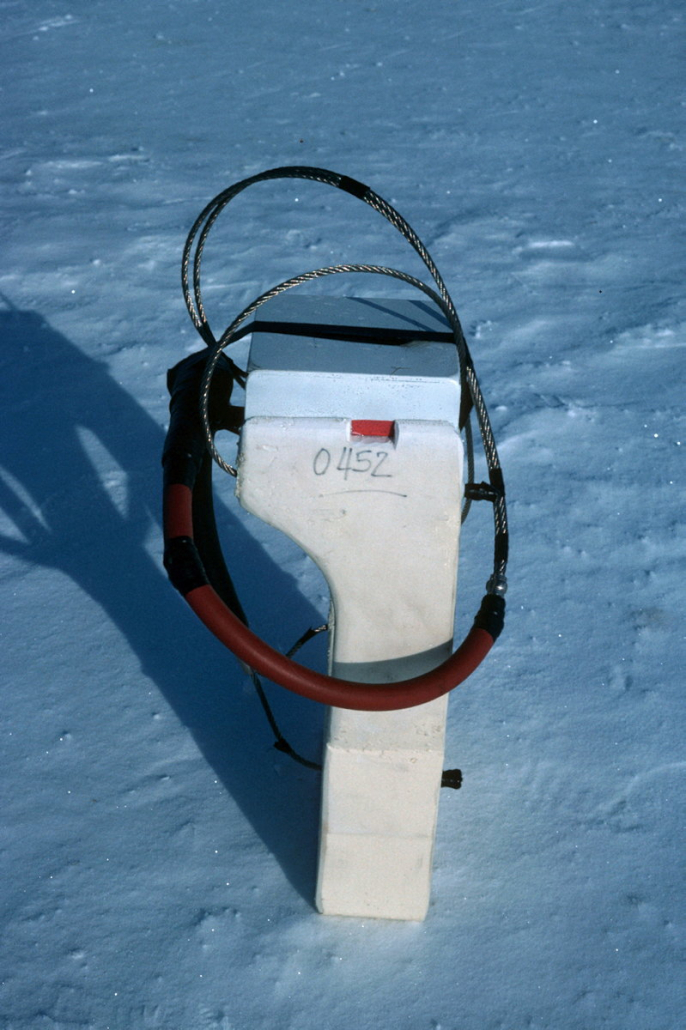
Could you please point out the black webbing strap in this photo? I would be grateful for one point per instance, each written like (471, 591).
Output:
(351, 333)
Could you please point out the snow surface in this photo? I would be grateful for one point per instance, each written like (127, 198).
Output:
(158, 856)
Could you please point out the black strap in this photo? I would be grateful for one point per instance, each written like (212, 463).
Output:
(352, 333)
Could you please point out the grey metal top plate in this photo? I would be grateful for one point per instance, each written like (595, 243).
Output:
(303, 376)
(280, 352)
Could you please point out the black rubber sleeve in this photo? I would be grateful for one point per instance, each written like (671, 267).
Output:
(183, 565)
(185, 447)
(491, 615)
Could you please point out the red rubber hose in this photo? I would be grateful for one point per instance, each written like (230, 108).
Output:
(249, 648)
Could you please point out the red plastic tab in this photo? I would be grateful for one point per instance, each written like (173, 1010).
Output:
(372, 427)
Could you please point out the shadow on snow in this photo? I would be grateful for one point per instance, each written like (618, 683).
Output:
(51, 392)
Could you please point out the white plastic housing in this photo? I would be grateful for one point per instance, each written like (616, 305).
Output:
(380, 515)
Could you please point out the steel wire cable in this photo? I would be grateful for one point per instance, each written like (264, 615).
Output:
(198, 236)
(298, 280)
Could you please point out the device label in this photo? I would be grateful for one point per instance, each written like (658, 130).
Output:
(350, 461)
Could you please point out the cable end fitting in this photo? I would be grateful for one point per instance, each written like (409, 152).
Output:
(497, 584)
